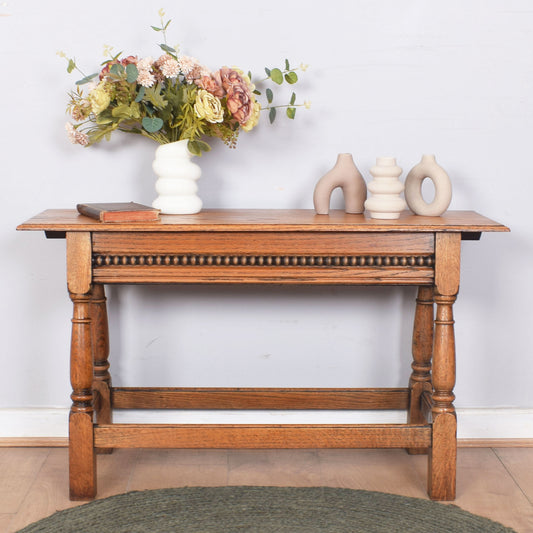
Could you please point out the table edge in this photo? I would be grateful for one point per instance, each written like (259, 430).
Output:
(335, 222)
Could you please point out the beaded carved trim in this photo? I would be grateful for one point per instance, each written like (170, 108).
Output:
(104, 260)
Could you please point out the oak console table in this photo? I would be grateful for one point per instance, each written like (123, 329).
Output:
(265, 247)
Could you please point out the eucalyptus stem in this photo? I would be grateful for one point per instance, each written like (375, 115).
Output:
(163, 27)
(81, 71)
(286, 71)
(286, 105)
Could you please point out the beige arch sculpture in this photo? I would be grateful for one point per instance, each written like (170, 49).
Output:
(346, 176)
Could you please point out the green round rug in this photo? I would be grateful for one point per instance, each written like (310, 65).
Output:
(265, 510)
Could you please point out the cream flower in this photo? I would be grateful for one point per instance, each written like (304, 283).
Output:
(208, 107)
(169, 67)
(145, 63)
(81, 111)
(187, 64)
(192, 69)
(196, 73)
(75, 136)
(99, 98)
(82, 138)
(145, 78)
(71, 132)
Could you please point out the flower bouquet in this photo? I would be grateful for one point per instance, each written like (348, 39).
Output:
(171, 98)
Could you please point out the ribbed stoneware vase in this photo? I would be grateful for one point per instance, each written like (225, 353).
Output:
(386, 188)
(176, 180)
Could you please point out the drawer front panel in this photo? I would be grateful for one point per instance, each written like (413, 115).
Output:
(285, 258)
(264, 243)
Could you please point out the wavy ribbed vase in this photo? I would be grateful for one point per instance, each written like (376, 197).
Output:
(385, 202)
(176, 180)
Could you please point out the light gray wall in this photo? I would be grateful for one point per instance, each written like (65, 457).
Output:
(453, 77)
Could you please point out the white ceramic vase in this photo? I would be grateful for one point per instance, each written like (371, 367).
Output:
(386, 188)
(428, 168)
(346, 176)
(176, 180)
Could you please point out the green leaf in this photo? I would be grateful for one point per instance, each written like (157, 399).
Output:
(71, 65)
(117, 69)
(156, 29)
(101, 133)
(293, 98)
(276, 76)
(131, 73)
(287, 66)
(152, 124)
(167, 48)
(126, 111)
(255, 91)
(272, 115)
(105, 117)
(150, 109)
(140, 94)
(197, 147)
(250, 75)
(167, 24)
(291, 77)
(176, 98)
(87, 79)
(154, 96)
(267, 70)
(121, 111)
(269, 95)
(291, 111)
(114, 58)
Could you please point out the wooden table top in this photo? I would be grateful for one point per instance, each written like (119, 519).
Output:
(279, 220)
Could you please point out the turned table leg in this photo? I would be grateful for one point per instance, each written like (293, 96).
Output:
(420, 380)
(100, 346)
(443, 452)
(82, 460)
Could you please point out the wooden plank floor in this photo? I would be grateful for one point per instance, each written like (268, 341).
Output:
(493, 482)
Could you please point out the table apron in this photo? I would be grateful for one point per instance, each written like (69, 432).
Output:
(264, 257)
(289, 243)
(281, 276)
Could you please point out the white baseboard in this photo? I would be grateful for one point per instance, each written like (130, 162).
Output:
(482, 424)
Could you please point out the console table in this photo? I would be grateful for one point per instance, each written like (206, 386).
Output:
(265, 247)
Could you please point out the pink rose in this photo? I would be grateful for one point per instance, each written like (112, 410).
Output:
(240, 102)
(128, 60)
(211, 85)
(229, 77)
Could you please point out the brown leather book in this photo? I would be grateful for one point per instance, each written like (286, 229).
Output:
(119, 212)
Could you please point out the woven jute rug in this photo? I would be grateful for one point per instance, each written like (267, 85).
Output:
(265, 510)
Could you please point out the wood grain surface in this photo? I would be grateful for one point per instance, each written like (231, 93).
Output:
(269, 220)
